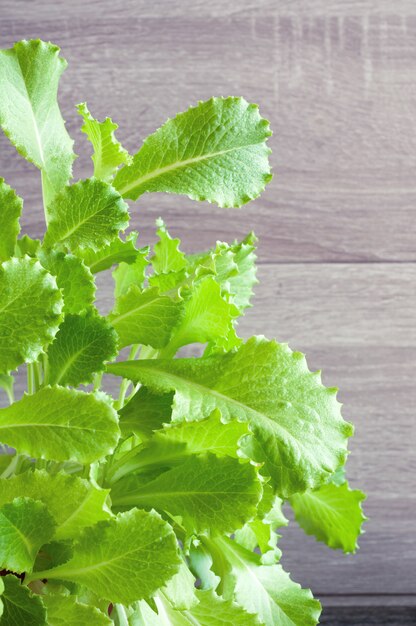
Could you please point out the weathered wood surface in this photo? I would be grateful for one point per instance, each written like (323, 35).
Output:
(337, 80)
(338, 86)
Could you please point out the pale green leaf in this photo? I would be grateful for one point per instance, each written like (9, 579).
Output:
(128, 274)
(88, 214)
(145, 412)
(29, 111)
(122, 560)
(10, 210)
(25, 525)
(60, 424)
(180, 589)
(109, 154)
(174, 443)
(21, 607)
(215, 151)
(74, 503)
(30, 311)
(220, 494)
(82, 346)
(167, 257)
(206, 317)
(265, 590)
(118, 251)
(144, 317)
(73, 277)
(27, 246)
(261, 531)
(68, 611)
(211, 610)
(331, 513)
(296, 422)
(7, 383)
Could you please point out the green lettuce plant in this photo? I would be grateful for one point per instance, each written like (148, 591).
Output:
(158, 506)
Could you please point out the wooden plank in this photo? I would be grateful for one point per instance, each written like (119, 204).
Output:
(380, 616)
(338, 88)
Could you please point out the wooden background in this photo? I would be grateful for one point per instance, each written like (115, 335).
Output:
(337, 228)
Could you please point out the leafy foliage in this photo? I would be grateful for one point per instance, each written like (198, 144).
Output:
(160, 504)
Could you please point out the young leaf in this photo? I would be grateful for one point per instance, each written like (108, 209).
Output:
(207, 492)
(128, 274)
(67, 611)
(88, 214)
(60, 424)
(261, 531)
(145, 412)
(215, 151)
(29, 111)
(25, 525)
(180, 589)
(265, 590)
(74, 503)
(112, 558)
(20, 606)
(10, 210)
(144, 317)
(167, 256)
(206, 317)
(109, 154)
(26, 246)
(7, 383)
(174, 443)
(30, 311)
(296, 422)
(81, 347)
(331, 513)
(73, 277)
(118, 251)
(211, 610)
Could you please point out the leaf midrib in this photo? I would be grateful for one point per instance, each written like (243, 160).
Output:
(179, 164)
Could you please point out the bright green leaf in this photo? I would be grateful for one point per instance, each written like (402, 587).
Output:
(265, 590)
(113, 558)
(215, 151)
(82, 346)
(60, 424)
(206, 317)
(108, 152)
(144, 317)
(7, 383)
(167, 257)
(30, 311)
(180, 589)
(331, 513)
(175, 442)
(128, 274)
(25, 525)
(67, 611)
(207, 492)
(296, 422)
(21, 607)
(73, 277)
(145, 412)
(10, 210)
(27, 246)
(211, 610)
(29, 111)
(88, 214)
(118, 251)
(74, 503)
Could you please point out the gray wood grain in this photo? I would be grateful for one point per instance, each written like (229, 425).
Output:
(337, 80)
(339, 89)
